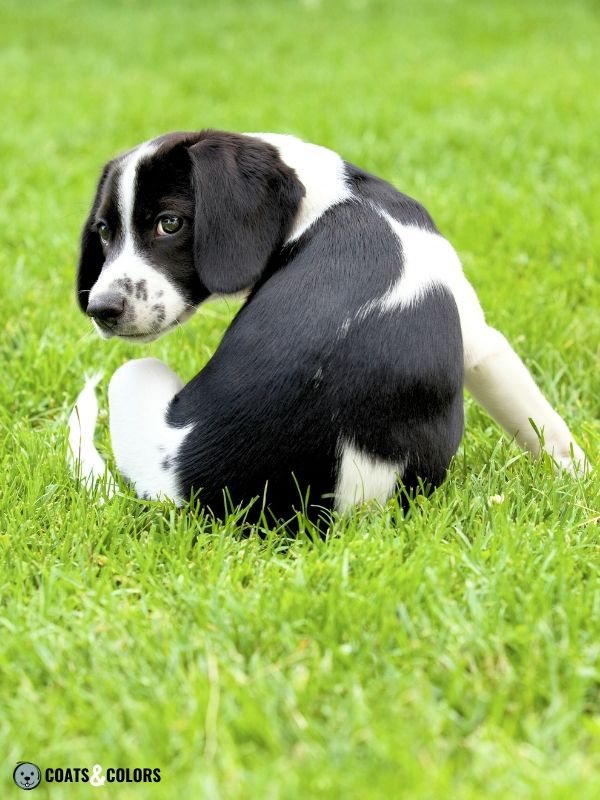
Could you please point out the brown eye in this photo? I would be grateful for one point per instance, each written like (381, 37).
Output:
(168, 225)
(104, 232)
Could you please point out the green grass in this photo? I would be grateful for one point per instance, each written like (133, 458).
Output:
(454, 653)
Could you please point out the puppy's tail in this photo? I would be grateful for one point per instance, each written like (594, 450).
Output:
(87, 465)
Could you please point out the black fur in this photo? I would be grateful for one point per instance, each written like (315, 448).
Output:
(91, 258)
(246, 198)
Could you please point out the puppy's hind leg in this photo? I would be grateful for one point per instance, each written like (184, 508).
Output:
(144, 445)
(502, 384)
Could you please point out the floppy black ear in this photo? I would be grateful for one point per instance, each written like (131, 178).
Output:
(91, 257)
(246, 199)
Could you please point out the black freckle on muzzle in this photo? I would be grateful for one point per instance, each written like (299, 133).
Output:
(125, 284)
(159, 311)
(141, 290)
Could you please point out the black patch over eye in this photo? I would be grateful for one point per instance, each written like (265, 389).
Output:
(168, 225)
(103, 232)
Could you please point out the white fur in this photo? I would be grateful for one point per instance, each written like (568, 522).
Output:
(501, 383)
(429, 260)
(143, 320)
(85, 461)
(426, 261)
(362, 478)
(321, 171)
(144, 445)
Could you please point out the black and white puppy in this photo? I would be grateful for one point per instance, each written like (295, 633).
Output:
(342, 373)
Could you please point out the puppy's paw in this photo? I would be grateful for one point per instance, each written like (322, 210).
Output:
(571, 460)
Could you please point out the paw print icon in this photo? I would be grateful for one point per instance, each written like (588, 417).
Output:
(27, 775)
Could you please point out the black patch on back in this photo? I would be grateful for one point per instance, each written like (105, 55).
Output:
(399, 206)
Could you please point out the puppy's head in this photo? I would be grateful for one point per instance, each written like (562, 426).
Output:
(175, 220)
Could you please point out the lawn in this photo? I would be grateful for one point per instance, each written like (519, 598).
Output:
(454, 653)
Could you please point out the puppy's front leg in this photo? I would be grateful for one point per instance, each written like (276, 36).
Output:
(145, 447)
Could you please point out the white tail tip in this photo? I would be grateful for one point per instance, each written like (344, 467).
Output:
(86, 462)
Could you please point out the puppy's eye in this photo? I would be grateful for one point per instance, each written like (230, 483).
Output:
(168, 225)
(104, 232)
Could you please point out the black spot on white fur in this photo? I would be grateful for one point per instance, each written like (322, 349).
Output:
(126, 284)
(141, 290)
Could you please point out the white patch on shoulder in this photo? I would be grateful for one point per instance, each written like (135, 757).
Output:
(144, 445)
(429, 260)
(362, 477)
(426, 260)
(321, 171)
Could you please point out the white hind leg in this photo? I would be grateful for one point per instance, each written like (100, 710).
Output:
(502, 384)
(145, 447)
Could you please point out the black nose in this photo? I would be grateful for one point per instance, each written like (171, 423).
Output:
(106, 308)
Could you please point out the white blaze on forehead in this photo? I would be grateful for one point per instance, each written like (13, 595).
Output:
(321, 171)
(127, 187)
